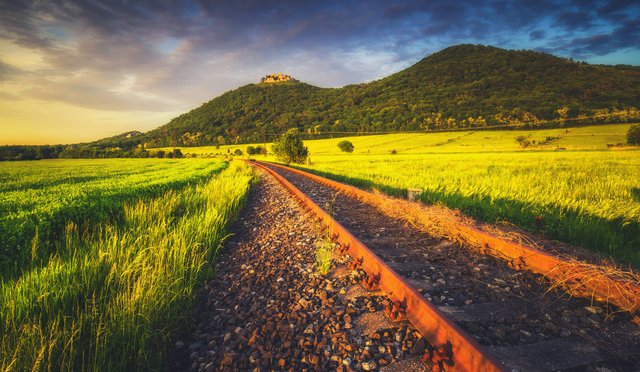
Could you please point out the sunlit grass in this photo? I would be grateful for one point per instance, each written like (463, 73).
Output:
(40, 197)
(112, 297)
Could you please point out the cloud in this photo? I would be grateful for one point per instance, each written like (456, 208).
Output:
(620, 38)
(7, 71)
(536, 35)
(157, 56)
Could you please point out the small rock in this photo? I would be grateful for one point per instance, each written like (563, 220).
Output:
(309, 330)
(210, 367)
(304, 303)
(565, 333)
(468, 302)
(419, 347)
(369, 366)
(179, 344)
(593, 309)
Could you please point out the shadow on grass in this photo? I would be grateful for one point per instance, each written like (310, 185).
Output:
(618, 238)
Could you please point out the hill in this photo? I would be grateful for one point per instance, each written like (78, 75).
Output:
(458, 87)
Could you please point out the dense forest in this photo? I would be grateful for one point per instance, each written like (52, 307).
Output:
(459, 87)
(464, 86)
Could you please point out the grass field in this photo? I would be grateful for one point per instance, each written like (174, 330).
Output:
(109, 289)
(37, 199)
(584, 186)
(577, 138)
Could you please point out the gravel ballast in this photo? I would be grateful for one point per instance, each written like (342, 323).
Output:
(268, 309)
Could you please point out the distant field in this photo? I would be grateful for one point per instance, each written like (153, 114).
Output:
(579, 138)
(106, 255)
(586, 190)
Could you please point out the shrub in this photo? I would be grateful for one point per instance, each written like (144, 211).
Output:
(523, 141)
(290, 149)
(346, 146)
(255, 150)
(237, 152)
(633, 135)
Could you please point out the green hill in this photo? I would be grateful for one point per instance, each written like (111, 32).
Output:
(461, 86)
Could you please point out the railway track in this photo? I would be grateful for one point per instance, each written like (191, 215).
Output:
(477, 312)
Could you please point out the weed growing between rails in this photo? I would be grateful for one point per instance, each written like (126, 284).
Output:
(324, 244)
(324, 251)
(112, 300)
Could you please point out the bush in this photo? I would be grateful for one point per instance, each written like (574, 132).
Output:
(237, 152)
(289, 148)
(633, 135)
(523, 141)
(255, 150)
(346, 146)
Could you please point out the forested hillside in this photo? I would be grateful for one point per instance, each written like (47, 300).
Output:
(461, 86)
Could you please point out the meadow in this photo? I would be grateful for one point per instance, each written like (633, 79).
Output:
(582, 181)
(127, 242)
(38, 199)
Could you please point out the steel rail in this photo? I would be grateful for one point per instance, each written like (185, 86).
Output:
(451, 345)
(623, 293)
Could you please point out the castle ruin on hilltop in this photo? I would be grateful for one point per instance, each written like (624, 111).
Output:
(277, 78)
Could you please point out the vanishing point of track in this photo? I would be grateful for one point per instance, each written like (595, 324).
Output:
(462, 337)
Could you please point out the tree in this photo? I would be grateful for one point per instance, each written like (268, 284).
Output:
(346, 146)
(289, 148)
(177, 153)
(633, 135)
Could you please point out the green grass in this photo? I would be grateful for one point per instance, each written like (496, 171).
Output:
(112, 296)
(37, 199)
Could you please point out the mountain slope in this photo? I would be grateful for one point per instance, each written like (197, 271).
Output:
(461, 86)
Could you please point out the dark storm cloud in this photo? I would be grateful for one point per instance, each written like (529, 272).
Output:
(96, 53)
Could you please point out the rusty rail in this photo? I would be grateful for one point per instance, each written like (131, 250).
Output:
(451, 345)
(625, 294)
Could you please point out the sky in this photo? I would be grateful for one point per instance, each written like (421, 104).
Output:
(74, 71)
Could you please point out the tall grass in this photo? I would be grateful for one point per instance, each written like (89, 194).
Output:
(112, 297)
(37, 199)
